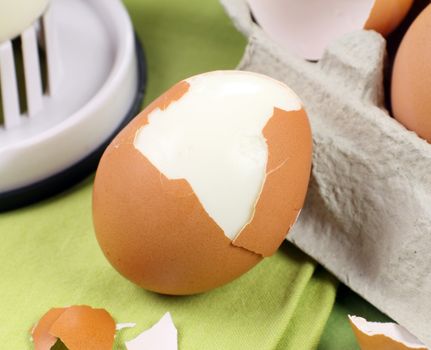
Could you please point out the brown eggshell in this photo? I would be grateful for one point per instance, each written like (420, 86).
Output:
(378, 341)
(155, 231)
(411, 78)
(78, 327)
(387, 15)
(289, 161)
(85, 328)
(42, 339)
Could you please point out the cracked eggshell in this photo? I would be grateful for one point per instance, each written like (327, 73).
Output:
(162, 336)
(306, 27)
(42, 339)
(78, 327)
(411, 78)
(157, 231)
(383, 336)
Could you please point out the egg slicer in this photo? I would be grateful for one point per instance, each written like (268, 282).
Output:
(70, 79)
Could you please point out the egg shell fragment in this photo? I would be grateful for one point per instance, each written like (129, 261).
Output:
(78, 327)
(42, 339)
(162, 336)
(383, 336)
(155, 231)
(82, 327)
(411, 78)
(307, 27)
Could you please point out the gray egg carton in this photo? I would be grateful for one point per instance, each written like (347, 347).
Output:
(367, 216)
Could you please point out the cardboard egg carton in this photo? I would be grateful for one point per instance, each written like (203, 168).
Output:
(367, 217)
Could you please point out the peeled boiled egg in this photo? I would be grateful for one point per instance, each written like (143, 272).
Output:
(306, 27)
(411, 78)
(204, 183)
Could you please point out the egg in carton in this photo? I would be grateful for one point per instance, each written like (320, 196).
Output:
(367, 216)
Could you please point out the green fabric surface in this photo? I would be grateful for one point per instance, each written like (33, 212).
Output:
(50, 257)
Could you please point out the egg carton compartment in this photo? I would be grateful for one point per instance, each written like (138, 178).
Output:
(367, 216)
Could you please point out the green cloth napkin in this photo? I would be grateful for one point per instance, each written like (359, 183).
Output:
(49, 255)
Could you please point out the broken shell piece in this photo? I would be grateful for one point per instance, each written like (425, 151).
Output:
(121, 326)
(162, 336)
(383, 336)
(204, 183)
(42, 339)
(78, 327)
(306, 27)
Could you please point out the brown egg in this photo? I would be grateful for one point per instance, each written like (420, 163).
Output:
(386, 15)
(411, 78)
(204, 183)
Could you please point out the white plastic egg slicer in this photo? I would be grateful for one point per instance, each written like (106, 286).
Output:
(72, 74)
